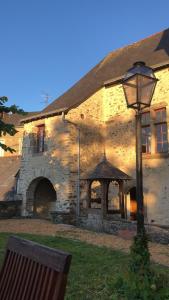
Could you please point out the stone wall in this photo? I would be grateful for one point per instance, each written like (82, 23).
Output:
(14, 142)
(96, 223)
(102, 121)
(10, 209)
(88, 117)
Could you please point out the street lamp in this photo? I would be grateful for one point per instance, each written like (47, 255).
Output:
(139, 84)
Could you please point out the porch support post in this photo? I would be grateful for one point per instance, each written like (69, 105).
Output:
(121, 195)
(88, 194)
(105, 184)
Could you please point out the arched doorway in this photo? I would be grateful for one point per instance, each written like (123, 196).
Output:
(41, 197)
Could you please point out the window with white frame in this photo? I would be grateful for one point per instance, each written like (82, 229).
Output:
(20, 146)
(146, 133)
(1, 149)
(161, 131)
(154, 131)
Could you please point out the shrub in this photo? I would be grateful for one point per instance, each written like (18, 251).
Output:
(142, 282)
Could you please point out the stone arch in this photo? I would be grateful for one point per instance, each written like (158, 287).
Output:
(41, 197)
(95, 194)
(113, 204)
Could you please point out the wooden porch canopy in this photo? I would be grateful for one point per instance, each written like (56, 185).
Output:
(105, 173)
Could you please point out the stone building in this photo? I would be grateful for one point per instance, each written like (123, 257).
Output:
(10, 162)
(78, 159)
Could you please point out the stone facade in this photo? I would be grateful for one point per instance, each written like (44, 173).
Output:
(75, 143)
(15, 142)
(10, 162)
(59, 161)
(120, 123)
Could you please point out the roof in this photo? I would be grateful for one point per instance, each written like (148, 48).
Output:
(9, 166)
(105, 170)
(15, 119)
(39, 115)
(154, 51)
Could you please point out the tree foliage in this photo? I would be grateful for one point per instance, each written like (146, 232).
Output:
(6, 128)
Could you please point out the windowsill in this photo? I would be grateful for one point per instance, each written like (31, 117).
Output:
(113, 212)
(94, 210)
(91, 208)
(155, 155)
(38, 154)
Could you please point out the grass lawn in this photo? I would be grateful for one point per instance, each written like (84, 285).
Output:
(93, 269)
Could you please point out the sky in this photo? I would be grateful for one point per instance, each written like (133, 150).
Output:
(48, 45)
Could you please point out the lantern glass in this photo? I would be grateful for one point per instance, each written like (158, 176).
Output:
(130, 90)
(138, 85)
(146, 86)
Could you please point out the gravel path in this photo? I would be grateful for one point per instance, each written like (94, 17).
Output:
(159, 253)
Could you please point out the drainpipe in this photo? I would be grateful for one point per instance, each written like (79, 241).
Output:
(78, 164)
(78, 175)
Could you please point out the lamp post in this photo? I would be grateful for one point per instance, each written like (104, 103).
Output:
(139, 84)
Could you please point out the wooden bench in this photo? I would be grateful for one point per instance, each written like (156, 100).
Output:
(33, 272)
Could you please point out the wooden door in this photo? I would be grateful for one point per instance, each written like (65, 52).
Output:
(133, 204)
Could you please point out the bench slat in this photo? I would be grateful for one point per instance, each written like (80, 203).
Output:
(15, 287)
(49, 292)
(8, 274)
(36, 280)
(21, 277)
(40, 284)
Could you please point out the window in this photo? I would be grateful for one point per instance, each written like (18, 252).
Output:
(2, 115)
(20, 146)
(146, 133)
(161, 130)
(154, 131)
(2, 150)
(40, 138)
